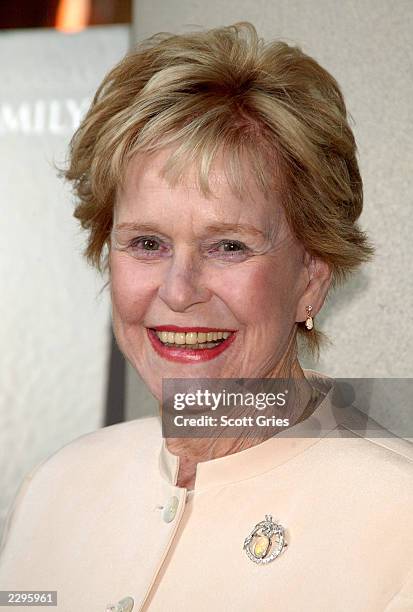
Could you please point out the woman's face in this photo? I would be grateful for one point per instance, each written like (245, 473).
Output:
(186, 266)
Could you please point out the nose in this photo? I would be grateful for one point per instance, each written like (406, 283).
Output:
(184, 282)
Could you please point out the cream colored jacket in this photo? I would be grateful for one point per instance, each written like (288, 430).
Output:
(103, 520)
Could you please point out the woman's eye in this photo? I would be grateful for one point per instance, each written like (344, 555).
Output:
(148, 244)
(233, 246)
(145, 245)
(230, 248)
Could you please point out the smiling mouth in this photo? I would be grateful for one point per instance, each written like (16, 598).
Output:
(191, 345)
(192, 340)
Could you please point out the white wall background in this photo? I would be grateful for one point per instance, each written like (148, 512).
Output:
(54, 327)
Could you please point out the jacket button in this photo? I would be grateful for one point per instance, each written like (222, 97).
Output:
(170, 509)
(124, 605)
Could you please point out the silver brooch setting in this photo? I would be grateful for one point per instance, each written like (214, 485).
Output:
(265, 542)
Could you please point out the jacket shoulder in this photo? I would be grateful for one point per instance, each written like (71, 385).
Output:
(378, 439)
(102, 456)
(126, 437)
(399, 447)
(354, 422)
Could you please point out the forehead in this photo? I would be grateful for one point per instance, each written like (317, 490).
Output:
(144, 189)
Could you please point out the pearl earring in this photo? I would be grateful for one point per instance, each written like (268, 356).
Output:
(309, 319)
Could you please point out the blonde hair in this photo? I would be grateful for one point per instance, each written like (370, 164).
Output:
(227, 90)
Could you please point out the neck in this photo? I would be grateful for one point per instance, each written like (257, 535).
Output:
(192, 451)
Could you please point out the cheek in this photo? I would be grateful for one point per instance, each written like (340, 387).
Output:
(262, 292)
(269, 303)
(131, 289)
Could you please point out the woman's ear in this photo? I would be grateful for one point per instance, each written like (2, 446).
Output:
(319, 281)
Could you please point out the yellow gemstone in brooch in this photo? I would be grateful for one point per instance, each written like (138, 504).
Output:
(265, 542)
(261, 546)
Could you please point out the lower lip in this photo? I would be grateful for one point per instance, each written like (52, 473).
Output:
(187, 355)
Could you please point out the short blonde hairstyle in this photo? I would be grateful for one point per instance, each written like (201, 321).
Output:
(225, 89)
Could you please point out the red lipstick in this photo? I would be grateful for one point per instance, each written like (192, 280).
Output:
(188, 355)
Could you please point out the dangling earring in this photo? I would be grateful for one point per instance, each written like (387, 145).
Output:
(309, 319)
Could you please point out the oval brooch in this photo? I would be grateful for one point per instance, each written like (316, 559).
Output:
(266, 541)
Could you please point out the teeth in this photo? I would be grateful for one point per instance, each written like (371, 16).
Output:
(194, 339)
(191, 338)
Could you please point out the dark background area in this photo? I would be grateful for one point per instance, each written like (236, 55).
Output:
(43, 13)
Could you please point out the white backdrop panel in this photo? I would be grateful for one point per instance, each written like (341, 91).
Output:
(55, 327)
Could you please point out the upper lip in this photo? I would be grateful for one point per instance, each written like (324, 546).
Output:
(176, 328)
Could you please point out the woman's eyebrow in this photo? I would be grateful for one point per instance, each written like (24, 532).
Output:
(137, 227)
(240, 228)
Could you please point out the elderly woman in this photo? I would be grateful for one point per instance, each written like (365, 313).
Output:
(217, 178)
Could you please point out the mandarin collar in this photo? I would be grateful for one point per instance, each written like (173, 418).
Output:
(266, 455)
